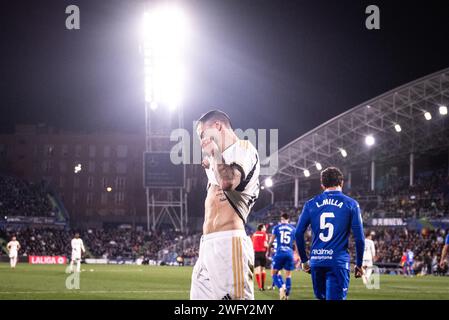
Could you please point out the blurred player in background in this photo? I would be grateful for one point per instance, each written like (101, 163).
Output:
(77, 250)
(444, 253)
(225, 266)
(260, 244)
(403, 263)
(331, 215)
(409, 262)
(284, 233)
(368, 258)
(13, 247)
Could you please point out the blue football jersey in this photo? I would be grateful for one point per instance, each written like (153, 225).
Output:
(285, 237)
(447, 240)
(410, 256)
(332, 215)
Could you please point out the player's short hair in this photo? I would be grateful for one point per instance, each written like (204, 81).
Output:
(260, 227)
(285, 216)
(215, 115)
(331, 177)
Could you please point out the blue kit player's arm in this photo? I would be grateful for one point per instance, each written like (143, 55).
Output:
(444, 253)
(357, 231)
(301, 227)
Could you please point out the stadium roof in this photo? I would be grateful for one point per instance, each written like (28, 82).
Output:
(404, 106)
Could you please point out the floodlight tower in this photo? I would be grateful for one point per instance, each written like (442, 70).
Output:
(162, 48)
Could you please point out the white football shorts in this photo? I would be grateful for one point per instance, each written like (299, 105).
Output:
(225, 267)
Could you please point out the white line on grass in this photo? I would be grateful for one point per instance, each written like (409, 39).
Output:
(93, 291)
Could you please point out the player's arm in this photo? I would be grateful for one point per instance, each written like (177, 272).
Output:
(359, 238)
(8, 246)
(270, 243)
(228, 176)
(373, 249)
(301, 227)
(266, 242)
(83, 250)
(444, 252)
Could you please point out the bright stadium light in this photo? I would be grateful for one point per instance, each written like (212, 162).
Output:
(397, 127)
(108, 189)
(306, 173)
(428, 116)
(369, 140)
(443, 110)
(77, 168)
(343, 152)
(268, 182)
(318, 166)
(164, 38)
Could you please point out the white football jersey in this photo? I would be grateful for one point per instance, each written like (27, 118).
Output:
(13, 246)
(370, 250)
(77, 246)
(243, 155)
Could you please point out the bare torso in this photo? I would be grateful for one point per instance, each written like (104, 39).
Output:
(219, 214)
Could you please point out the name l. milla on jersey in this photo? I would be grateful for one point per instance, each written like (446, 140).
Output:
(332, 202)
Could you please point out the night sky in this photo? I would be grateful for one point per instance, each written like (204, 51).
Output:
(269, 64)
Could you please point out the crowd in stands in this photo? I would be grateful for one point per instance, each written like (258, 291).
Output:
(392, 243)
(103, 243)
(428, 197)
(22, 198)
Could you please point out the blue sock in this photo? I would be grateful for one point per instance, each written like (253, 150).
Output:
(274, 277)
(280, 282)
(288, 284)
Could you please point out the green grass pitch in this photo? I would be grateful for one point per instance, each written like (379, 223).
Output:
(150, 282)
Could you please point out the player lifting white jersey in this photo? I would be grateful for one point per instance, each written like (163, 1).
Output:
(13, 251)
(224, 269)
(77, 249)
(368, 258)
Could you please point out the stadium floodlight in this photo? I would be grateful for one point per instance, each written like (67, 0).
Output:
(443, 110)
(428, 116)
(369, 140)
(318, 166)
(164, 38)
(268, 182)
(77, 168)
(306, 173)
(397, 127)
(343, 152)
(108, 189)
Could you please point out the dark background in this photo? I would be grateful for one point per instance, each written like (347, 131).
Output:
(270, 64)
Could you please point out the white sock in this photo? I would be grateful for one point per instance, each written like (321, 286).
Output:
(78, 266)
(71, 266)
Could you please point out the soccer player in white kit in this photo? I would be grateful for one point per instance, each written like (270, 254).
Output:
(13, 247)
(368, 258)
(225, 267)
(77, 249)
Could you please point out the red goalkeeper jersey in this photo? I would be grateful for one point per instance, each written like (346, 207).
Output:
(260, 241)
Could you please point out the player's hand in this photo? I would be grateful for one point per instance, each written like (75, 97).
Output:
(209, 146)
(306, 267)
(205, 163)
(442, 264)
(358, 272)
